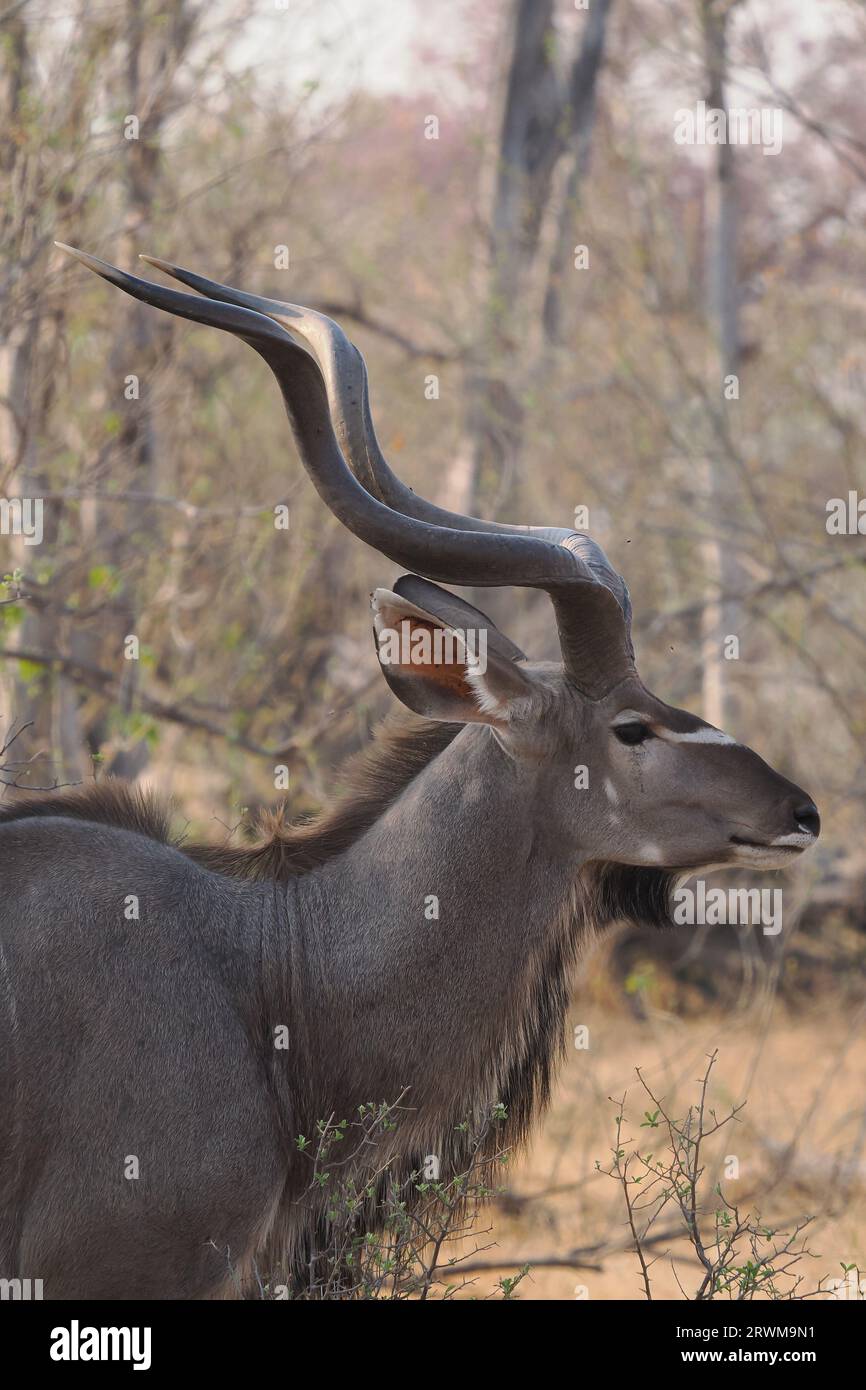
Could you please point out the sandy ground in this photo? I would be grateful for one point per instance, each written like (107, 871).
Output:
(803, 1079)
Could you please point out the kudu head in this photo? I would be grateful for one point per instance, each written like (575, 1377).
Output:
(625, 779)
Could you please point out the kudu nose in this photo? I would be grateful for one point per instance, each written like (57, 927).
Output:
(807, 818)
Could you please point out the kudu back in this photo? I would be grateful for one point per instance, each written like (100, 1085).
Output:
(148, 1148)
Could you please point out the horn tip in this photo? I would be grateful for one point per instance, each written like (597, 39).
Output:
(167, 266)
(71, 251)
(91, 262)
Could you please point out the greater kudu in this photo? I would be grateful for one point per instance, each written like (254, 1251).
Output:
(154, 1038)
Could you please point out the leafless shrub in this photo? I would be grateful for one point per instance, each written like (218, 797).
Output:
(741, 1256)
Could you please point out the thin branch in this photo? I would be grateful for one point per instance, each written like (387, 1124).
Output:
(337, 309)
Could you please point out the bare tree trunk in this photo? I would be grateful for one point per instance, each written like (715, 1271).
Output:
(154, 39)
(566, 208)
(26, 352)
(544, 118)
(721, 615)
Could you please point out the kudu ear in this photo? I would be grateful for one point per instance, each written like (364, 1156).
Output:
(445, 672)
(456, 612)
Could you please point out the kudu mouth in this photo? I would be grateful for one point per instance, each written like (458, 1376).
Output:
(780, 832)
(781, 848)
(793, 843)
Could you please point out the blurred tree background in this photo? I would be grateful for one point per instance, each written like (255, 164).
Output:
(551, 295)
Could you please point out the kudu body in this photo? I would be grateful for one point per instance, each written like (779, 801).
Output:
(149, 1120)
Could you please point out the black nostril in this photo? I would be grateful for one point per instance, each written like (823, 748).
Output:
(807, 817)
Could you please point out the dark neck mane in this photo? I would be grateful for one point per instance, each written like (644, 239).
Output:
(402, 746)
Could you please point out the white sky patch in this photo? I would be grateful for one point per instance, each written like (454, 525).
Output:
(391, 47)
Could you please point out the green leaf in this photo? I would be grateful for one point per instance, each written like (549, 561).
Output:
(32, 670)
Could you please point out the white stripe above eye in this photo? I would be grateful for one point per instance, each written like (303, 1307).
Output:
(707, 735)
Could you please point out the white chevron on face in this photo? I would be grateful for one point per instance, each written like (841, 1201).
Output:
(707, 735)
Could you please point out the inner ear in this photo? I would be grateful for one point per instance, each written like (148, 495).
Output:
(455, 612)
(444, 672)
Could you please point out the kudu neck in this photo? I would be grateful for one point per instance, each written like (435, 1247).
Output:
(463, 852)
(418, 954)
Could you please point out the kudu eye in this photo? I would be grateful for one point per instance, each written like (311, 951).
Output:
(633, 733)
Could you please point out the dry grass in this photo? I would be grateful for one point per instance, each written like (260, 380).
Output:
(800, 1141)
